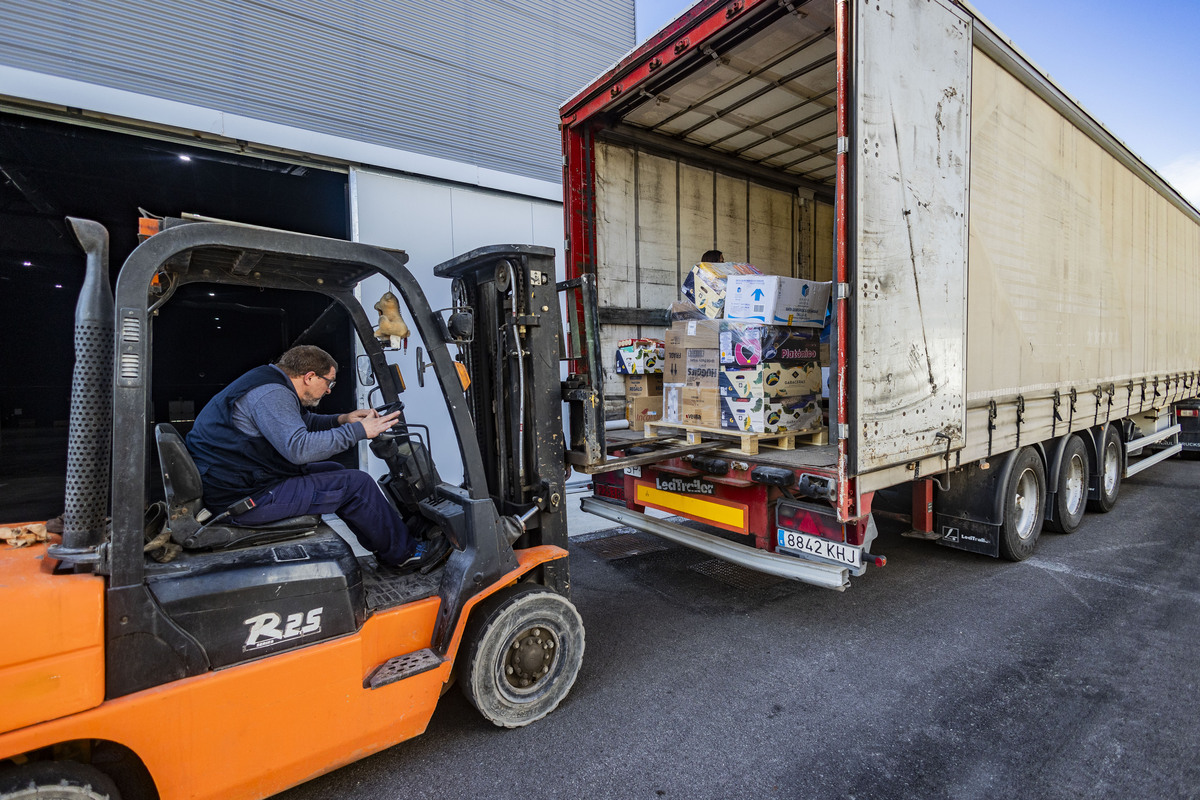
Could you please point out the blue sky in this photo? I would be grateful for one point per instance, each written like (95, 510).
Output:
(1134, 66)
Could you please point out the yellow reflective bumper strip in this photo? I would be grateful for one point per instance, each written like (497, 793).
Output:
(722, 513)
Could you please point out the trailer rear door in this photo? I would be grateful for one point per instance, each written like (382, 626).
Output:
(910, 161)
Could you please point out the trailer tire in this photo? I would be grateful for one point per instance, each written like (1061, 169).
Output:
(1024, 495)
(56, 780)
(522, 651)
(1071, 487)
(1108, 471)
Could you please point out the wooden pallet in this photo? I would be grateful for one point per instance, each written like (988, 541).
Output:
(746, 442)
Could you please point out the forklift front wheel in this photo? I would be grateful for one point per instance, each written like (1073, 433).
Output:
(521, 653)
(57, 780)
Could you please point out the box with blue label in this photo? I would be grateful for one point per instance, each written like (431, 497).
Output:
(776, 300)
(770, 380)
(745, 344)
(771, 415)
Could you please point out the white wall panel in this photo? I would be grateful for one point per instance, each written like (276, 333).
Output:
(434, 222)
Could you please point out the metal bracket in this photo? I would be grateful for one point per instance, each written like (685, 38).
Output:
(843, 292)
(843, 430)
(991, 424)
(843, 145)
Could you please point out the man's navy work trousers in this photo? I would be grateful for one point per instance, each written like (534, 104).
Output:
(330, 488)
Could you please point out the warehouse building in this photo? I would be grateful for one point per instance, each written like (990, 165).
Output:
(425, 127)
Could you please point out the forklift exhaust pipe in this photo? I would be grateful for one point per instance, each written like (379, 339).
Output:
(89, 440)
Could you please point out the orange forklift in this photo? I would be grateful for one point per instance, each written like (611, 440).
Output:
(257, 658)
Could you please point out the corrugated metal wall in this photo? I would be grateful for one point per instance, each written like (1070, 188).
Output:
(475, 82)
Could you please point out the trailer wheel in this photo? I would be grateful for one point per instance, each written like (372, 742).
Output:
(56, 780)
(522, 650)
(1024, 493)
(1070, 497)
(1109, 470)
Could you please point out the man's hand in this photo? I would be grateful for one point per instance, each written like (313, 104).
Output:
(357, 416)
(375, 424)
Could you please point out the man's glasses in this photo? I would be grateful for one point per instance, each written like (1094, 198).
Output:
(332, 383)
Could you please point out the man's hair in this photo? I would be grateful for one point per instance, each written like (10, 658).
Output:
(306, 358)
(713, 256)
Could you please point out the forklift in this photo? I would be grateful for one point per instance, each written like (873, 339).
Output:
(159, 649)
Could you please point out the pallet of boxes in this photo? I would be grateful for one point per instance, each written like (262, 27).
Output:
(641, 362)
(742, 358)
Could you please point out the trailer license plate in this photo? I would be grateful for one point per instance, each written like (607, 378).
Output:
(823, 548)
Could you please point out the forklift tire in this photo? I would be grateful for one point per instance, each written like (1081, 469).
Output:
(521, 652)
(56, 780)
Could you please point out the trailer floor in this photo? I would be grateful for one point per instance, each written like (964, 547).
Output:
(814, 456)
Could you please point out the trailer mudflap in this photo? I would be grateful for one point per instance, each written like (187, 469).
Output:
(969, 512)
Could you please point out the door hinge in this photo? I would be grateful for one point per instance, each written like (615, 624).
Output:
(843, 145)
(843, 291)
(843, 430)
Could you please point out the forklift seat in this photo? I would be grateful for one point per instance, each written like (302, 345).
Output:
(186, 515)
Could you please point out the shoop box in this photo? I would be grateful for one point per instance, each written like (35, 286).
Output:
(770, 380)
(771, 415)
(685, 335)
(776, 300)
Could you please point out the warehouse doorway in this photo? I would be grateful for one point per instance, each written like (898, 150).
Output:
(204, 337)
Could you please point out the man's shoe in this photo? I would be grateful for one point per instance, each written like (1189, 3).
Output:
(435, 551)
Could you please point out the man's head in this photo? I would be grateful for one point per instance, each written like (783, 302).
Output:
(312, 371)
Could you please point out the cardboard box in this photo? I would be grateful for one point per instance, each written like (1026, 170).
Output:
(640, 356)
(746, 344)
(699, 407)
(640, 410)
(682, 336)
(702, 368)
(644, 385)
(776, 300)
(705, 285)
(774, 415)
(770, 379)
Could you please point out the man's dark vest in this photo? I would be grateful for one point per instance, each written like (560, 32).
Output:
(233, 465)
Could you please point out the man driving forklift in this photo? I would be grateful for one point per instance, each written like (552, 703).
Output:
(262, 454)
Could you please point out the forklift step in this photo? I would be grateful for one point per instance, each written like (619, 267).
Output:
(401, 667)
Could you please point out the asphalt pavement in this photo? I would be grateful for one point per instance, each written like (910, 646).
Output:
(942, 675)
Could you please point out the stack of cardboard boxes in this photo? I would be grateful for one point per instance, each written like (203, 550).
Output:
(756, 368)
(641, 362)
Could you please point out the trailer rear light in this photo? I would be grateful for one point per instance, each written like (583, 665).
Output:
(1187, 412)
(813, 520)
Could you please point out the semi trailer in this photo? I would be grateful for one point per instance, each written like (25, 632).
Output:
(1014, 291)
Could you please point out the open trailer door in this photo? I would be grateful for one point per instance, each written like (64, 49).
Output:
(909, 151)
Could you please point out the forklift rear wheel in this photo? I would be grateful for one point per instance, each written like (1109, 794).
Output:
(522, 650)
(56, 780)
(1023, 498)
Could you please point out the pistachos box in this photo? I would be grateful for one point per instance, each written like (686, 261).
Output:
(771, 415)
(770, 379)
(745, 344)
